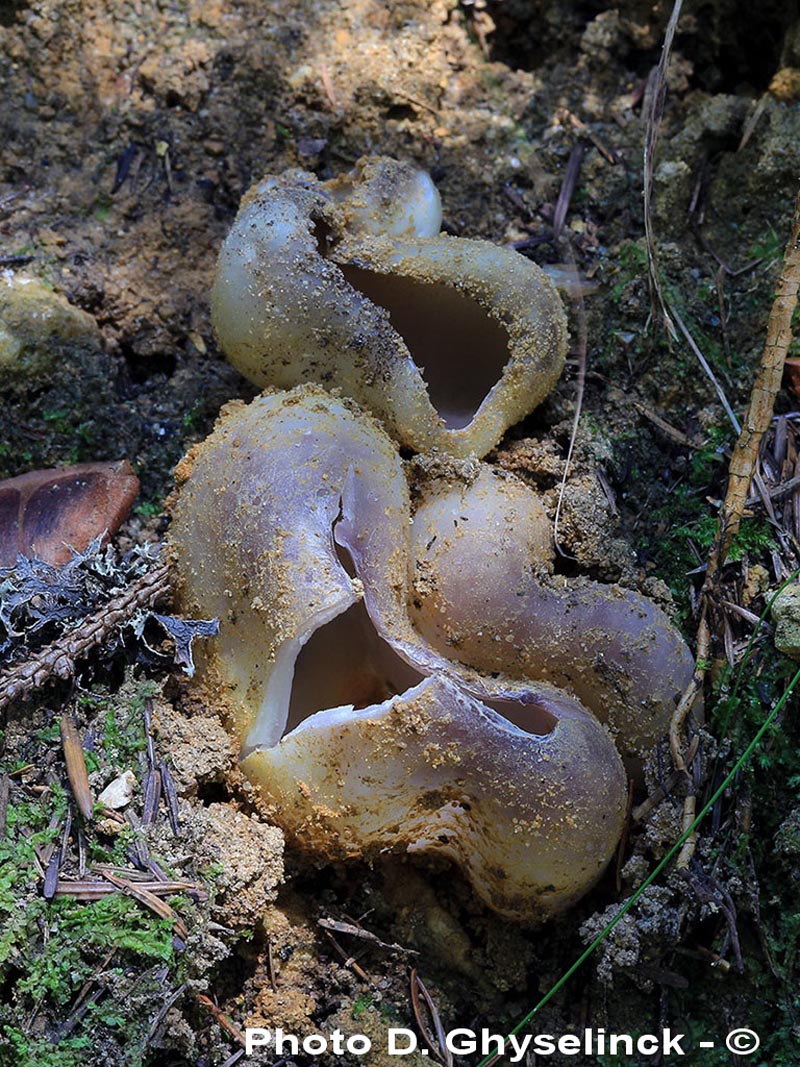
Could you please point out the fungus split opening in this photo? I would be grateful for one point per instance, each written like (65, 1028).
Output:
(346, 663)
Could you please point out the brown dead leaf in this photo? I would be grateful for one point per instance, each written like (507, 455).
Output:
(44, 513)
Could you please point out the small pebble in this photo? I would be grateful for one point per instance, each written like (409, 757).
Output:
(119, 793)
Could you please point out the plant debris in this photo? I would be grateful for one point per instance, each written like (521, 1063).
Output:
(41, 601)
(76, 766)
(183, 632)
(50, 616)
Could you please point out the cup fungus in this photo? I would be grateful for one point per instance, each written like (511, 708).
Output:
(427, 687)
(448, 341)
(293, 528)
(613, 648)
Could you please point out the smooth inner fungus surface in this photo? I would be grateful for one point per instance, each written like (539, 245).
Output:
(460, 350)
(531, 718)
(346, 663)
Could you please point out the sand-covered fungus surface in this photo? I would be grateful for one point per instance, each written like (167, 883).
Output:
(129, 135)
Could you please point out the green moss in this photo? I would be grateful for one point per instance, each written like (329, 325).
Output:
(51, 949)
(631, 264)
(23, 1049)
(192, 418)
(102, 207)
(362, 1003)
(123, 735)
(148, 508)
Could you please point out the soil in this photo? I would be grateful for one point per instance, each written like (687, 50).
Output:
(128, 134)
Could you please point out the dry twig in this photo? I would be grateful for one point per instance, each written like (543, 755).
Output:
(161, 1014)
(358, 931)
(271, 966)
(622, 847)
(152, 796)
(222, 1019)
(89, 889)
(583, 347)
(568, 187)
(676, 731)
(170, 794)
(666, 428)
(420, 994)
(762, 400)
(610, 155)
(348, 961)
(656, 96)
(665, 789)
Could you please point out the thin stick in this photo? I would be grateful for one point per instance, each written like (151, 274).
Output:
(271, 966)
(439, 1046)
(709, 373)
(680, 715)
(689, 696)
(583, 346)
(358, 931)
(222, 1019)
(655, 110)
(162, 1012)
(762, 399)
(90, 889)
(349, 961)
(568, 187)
(171, 797)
